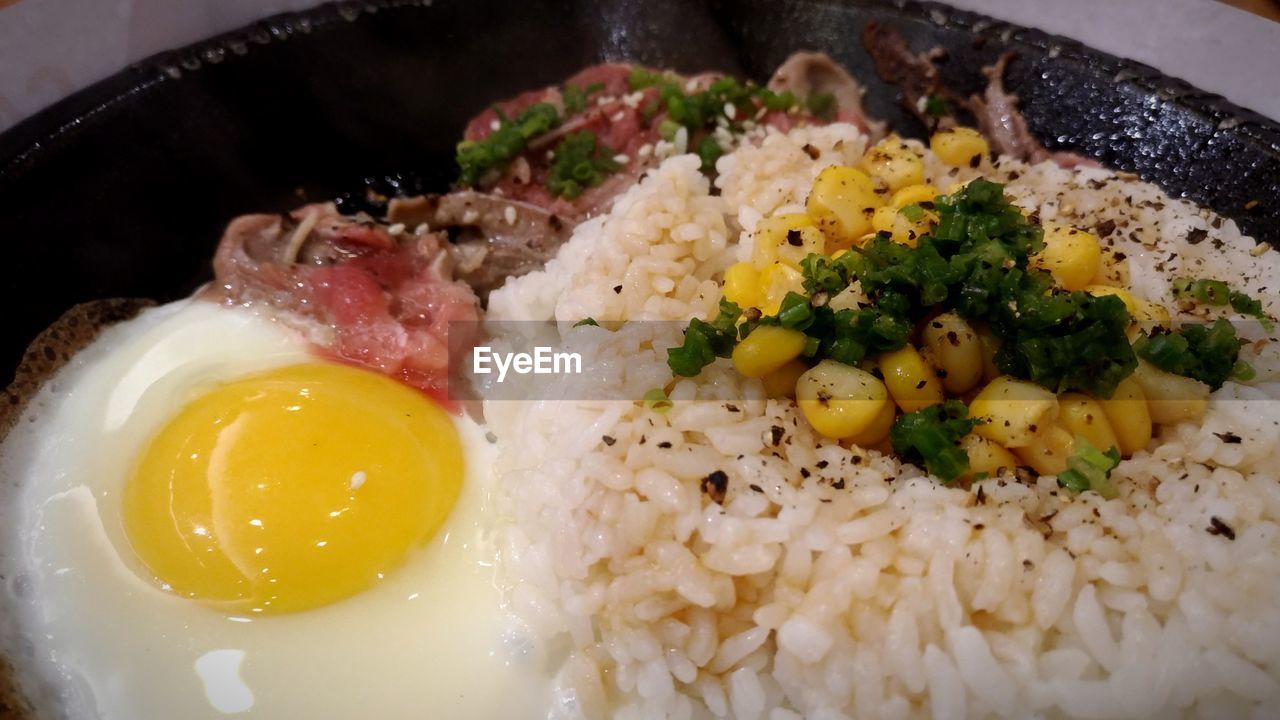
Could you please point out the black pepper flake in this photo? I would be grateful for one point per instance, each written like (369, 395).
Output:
(756, 488)
(857, 460)
(821, 464)
(976, 160)
(664, 444)
(1229, 438)
(804, 473)
(776, 434)
(714, 485)
(1197, 236)
(1218, 527)
(1105, 228)
(794, 238)
(617, 289)
(731, 407)
(981, 497)
(838, 484)
(978, 526)
(811, 151)
(609, 440)
(921, 384)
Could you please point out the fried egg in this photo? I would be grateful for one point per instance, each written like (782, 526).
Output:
(199, 518)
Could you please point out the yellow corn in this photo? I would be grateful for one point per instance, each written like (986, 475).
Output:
(956, 350)
(894, 162)
(1014, 411)
(986, 456)
(878, 430)
(912, 383)
(1129, 416)
(1113, 271)
(767, 349)
(914, 195)
(1048, 450)
(840, 400)
(1082, 416)
(742, 285)
(781, 383)
(1171, 398)
(1072, 256)
(900, 228)
(841, 203)
(776, 280)
(959, 146)
(786, 238)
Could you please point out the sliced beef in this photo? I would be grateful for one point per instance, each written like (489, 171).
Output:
(390, 300)
(806, 74)
(493, 237)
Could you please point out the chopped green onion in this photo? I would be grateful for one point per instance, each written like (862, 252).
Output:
(580, 163)
(587, 321)
(929, 437)
(477, 158)
(1089, 468)
(657, 400)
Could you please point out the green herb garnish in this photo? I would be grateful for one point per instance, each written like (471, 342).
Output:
(476, 158)
(1209, 354)
(1089, 468)
(929, 437)
(580, 163)
(1218, 293)
(575, 98)
(657, 400)
(705, 341)
(710, 151)
(587, 321)
(936, 106)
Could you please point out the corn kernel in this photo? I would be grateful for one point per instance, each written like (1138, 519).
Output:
(1171, 398)
(781, 383)
(1082, 416)
(840, 400)
(841, 203)
(912, 383)
(1014, 411)
(900, 228)
(776, 280)
(786, 238)
(894, 162)
(914, 195)
(1072, 256)
(956, 351)
(986, 457)
(1048, 451)
(742, 285)
(959, 147)
(767, 349)
(1130, 416)
(878, 430)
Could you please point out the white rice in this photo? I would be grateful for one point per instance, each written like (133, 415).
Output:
(839, 583)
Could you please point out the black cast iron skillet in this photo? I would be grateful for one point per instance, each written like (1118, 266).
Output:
(123, 189)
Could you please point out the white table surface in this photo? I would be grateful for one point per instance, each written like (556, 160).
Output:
(50, 48)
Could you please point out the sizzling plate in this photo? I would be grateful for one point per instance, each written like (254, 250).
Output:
(124, 188)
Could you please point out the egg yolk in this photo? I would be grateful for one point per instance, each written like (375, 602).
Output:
(293, 488)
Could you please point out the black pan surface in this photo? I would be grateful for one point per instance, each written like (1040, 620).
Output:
(123, 189)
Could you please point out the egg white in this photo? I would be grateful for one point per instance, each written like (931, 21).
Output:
(89, 625)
